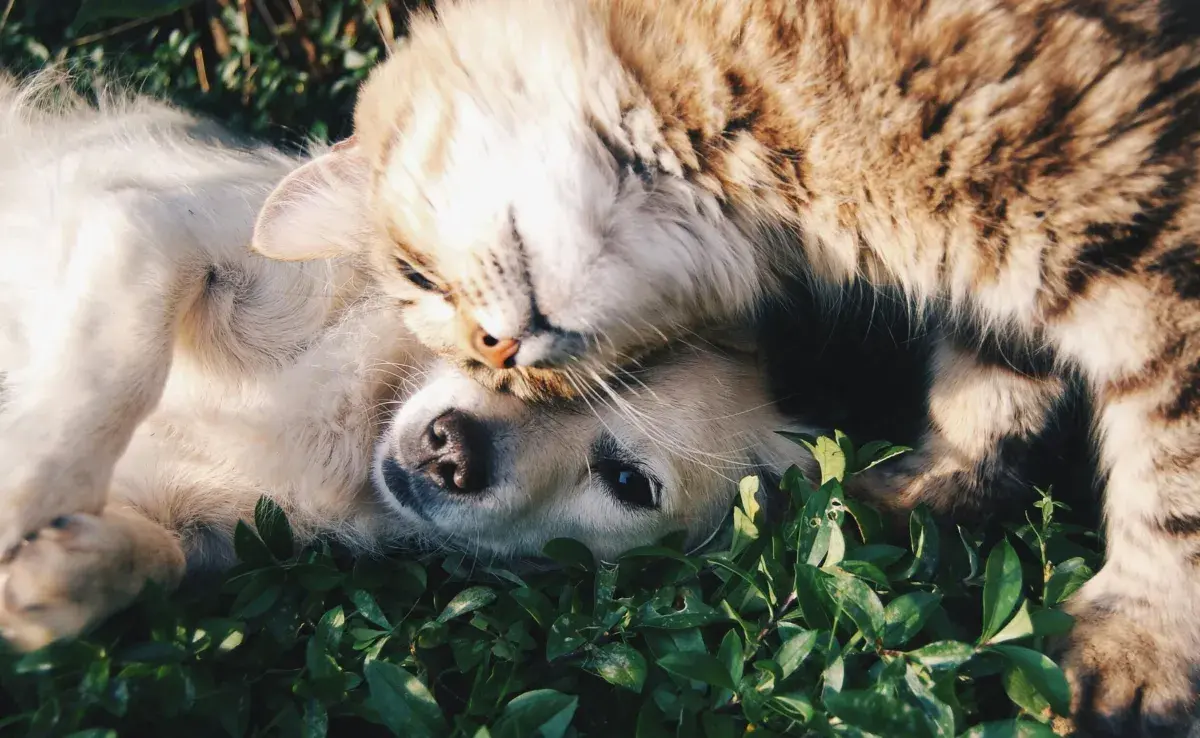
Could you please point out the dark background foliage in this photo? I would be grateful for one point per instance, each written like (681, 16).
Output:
(282, 69)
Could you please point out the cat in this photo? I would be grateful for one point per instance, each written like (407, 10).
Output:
(557, 188)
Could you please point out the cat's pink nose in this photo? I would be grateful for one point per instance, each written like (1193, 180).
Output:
(498, 353)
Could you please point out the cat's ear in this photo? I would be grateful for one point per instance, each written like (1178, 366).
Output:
(319, 211)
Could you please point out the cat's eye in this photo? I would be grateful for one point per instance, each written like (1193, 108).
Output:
(412, 275)
(630, 485)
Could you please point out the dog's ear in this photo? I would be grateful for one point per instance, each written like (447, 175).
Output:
(319, 210)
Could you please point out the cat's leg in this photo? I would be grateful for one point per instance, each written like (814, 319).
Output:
(81, 569)
(983, 416)
(1133, 654)
(99, 315)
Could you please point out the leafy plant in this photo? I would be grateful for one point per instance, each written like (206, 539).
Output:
(820, 623)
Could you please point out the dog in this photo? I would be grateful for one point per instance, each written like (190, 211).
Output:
(159, 377)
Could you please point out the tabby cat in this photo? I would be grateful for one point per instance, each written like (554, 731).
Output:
(556, 188)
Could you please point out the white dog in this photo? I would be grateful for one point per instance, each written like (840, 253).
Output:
(161, 378)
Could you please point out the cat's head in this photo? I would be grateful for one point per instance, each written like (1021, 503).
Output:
(512, 197)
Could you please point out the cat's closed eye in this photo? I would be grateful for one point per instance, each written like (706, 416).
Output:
(409, 272)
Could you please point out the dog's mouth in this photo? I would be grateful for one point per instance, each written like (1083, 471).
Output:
(399, 483)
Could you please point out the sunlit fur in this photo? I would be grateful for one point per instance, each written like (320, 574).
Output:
(158, 378)
(596, 177)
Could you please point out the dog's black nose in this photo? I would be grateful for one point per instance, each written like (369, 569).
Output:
(456, 446)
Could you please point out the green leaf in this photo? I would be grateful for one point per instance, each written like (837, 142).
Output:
(732, 654)
(1066, 579)
(859, 602)
(837, 547)
(1001, 588)
(402, 701)
(570, 553)
(660, 613)
(1041, 673)
(925, 541)
(864, 570)
(316, 720)
(659, 552)
(620, 664)
(879, 554)
(542, 712)
(330, 628)
(795, 706)
(1010, 729)
(905, 616)
(921, 686)
(970, 542)
(260, 603)
(830, 457)
(535, 603)
(748, 495)
(745, 532)
(875, 453)
(1023, 693)
(868, 520)
(812, 538)
(1051, 622)
(650, 722)
(797, 645)
(943, 655)
(564, 636)
(369, 608)
(249, 548)
(317, 577)
(273, 526)
(812, 596)
(699, 667)
(1020, 626)
(879, 713)
(468, 600)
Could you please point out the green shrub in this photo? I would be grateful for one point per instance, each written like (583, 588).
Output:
(817, 624)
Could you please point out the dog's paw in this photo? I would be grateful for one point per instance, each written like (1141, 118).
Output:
(33, 498)
(1126, 679)
(77, 571)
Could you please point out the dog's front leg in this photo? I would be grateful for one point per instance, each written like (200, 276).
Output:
(99, 322)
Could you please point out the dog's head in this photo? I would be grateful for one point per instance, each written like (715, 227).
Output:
(658, 451)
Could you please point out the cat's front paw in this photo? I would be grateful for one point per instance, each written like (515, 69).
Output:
(949, 484)
(917, 478)
(1127, 678)
(78, 570)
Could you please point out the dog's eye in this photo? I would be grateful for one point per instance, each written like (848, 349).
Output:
(412, 275)
(629, 484)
